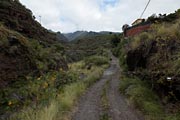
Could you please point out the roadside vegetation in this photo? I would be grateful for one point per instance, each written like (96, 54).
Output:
(62, 100)
(28, 71)
(150, 63)
(141, 96)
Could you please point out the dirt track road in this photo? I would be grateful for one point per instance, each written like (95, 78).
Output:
(89, 107)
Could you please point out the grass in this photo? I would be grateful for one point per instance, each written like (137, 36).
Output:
(60, 107)
(70, 94)
(46, 113)
(144, 99)
(96, 60)
(68, 98)
(105, 103)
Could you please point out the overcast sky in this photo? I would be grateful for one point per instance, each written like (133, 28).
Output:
(94, 15)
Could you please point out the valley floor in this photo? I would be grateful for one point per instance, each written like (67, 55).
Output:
(103, 100)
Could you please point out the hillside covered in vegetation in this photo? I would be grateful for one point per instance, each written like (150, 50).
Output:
(17, 17)
(34, 67)
(89, 45)
(151, 65)
(27, 51)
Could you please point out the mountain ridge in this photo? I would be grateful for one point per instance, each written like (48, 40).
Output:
(81, 34)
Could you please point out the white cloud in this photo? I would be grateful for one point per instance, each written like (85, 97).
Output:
(94, 15)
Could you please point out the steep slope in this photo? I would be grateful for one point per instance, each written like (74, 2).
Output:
(18, 25)
(60, 37)
(18, 18)
(158, 52)
(151, 65)
(27, 52)
(21, 55)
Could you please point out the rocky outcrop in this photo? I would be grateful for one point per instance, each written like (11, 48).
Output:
(158, 62)
(138, 58)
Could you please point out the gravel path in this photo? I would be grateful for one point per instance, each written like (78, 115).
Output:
(119, 110)
(89, 107)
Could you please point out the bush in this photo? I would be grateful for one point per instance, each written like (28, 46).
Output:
(115, 40)
(96, 60)
(166, 31)
(142, 39)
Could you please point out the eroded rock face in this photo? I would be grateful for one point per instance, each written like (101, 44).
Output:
(138, 58)
(135, 59)
(156, 61)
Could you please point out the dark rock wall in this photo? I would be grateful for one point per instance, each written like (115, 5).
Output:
(156, 62)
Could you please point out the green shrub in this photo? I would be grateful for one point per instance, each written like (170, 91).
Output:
(152, 108)
(70, 94)
(96, 60)
(93, 77)
(142, 39)
(126, 82)
(115, 40)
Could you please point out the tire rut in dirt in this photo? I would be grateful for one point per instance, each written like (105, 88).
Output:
(119, 110)
(89, 107)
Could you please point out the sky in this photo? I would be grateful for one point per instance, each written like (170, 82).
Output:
(94, 15)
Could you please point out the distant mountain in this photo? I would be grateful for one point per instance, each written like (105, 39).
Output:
(81, 34)
(61, 37)
(73, 36)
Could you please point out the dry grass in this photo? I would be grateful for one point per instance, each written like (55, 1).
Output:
(59, 108)
(47, 113)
